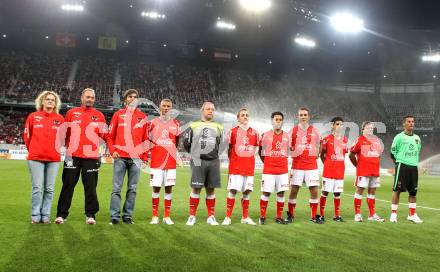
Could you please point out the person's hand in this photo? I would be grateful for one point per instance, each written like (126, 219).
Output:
(115, 155)
(145, 164)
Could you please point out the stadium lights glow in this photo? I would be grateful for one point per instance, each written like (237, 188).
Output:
(201, 50)
(431, 58)
(225, 25)
(47, 37)
(75, 8)
(384, 76)
(306, 42)
(347, 23)
(256, 5)
(153, 15)
(4, 35)
(126, 41)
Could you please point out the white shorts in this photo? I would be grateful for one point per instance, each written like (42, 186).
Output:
(161, 177)
(332, 185)
(275, 183)
(241, 183)
(367, 182)
(310, 177)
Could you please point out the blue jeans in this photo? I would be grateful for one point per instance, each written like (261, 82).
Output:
(43, 176)
(120, 167)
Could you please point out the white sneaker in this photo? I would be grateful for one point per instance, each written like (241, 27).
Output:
(358, 217)
(168, 221)
(211, 221)
(376, 218)
(59, 220)
(393, 218)
(227, 221)
(154, 220)
(415, 219)
(90, 221)
(248, 221)
(191, 220)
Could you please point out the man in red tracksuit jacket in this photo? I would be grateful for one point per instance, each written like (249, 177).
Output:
(86, 129)
(127, 142)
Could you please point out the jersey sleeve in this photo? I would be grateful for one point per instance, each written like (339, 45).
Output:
(356, 146)
(231, 137)
(111, 135)
(324, 144)
(27, 134)
(395, 145)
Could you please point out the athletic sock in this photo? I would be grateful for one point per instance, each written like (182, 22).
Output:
(264, 200)
(167, 205)
(210, 204)
(322, 203)
(291, 206)
(194, 200)
(155, 203)
(371, 201)
(280, 206)
(357, 203)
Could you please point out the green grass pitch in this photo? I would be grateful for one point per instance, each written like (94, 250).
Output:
(301, 246)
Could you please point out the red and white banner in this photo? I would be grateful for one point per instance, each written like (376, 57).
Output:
(65, 40)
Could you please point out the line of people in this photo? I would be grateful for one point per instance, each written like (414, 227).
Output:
(131, 137)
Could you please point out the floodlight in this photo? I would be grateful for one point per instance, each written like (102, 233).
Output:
(347, 23)
(305, 42)
(225, 25)
(75, 8)
(255, 5)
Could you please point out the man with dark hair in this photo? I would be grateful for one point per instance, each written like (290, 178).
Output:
(305, 144)
(274, 152)
(127, 132)
(405, 151)
(333, 150)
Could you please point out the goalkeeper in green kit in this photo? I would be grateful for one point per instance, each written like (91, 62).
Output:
(405, 152)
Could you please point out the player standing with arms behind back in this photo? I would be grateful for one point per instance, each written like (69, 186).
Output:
(305, 149)
(274, 151)
(405, 152)
(333, 150)
(243, 141)
(164, 133)
(365, 156)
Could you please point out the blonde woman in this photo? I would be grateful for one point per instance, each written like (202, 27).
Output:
(40, 137)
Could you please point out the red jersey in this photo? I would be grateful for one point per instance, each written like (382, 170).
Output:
(126, 124)
(334, 162)
(40, 136)
(368, 152)
(86, 131)
(275, 149)
(305, 148)
(163, 136)
(242, 151)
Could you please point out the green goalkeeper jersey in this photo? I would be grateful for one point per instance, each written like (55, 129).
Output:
(406, 148)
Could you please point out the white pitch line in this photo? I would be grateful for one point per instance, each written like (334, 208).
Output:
(386, 201)
(406, 204)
